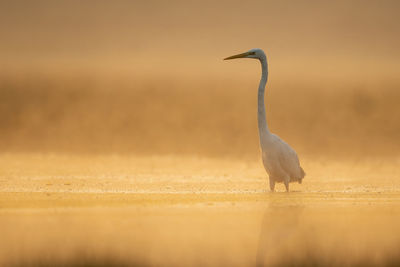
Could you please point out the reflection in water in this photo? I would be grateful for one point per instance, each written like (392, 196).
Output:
(279, 233)
(319, 233)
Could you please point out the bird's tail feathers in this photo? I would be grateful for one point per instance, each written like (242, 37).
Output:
(303, 173)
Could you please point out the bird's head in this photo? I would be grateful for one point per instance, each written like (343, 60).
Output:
(256, 53)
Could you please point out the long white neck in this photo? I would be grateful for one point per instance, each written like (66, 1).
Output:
(263, 130)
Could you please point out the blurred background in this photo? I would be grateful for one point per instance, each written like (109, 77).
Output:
(147, 77)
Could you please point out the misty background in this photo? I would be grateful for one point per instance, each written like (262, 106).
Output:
(147, 77)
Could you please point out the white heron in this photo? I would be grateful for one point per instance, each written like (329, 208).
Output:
(280, 160)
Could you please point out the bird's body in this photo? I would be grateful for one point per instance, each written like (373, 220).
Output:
(280, 160)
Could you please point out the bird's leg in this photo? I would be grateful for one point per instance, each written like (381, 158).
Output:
(272, 184)
(286, 185)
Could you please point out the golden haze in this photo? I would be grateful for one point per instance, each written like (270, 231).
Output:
(148, 77)
(125, 138)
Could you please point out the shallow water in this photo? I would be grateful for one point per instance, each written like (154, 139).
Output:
(171, 210)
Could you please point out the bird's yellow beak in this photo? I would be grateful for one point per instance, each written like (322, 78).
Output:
(238, 56)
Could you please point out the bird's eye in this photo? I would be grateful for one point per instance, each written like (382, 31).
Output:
(252, 53)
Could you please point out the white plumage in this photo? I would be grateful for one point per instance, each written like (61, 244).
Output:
(280, 160)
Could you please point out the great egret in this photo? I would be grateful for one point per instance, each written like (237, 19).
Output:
(279, 159)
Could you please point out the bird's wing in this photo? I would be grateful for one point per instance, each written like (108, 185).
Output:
(289, 160)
